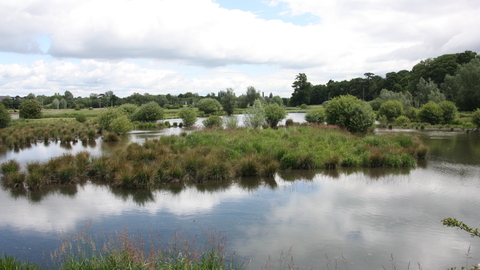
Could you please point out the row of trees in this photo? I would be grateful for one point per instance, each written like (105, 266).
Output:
(453, 77)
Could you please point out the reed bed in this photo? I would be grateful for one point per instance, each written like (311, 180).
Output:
(221, 155)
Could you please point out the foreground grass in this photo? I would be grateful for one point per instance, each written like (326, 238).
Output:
(219, 155)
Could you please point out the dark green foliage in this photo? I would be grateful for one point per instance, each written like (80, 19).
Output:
(476, 118)
(449, 111)
(188, 115)
(209, 105)
(351, 113)
(5, 117)
(30, 109)
(149, 112)
(391, 109)
(315, 116)
(128, 109)
(464, 86)
(431, 113)
(229, 102)
(106, 117)
(301, 91)
(213, 121)
(274, 113)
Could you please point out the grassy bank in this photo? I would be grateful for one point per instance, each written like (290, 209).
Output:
(220, 155)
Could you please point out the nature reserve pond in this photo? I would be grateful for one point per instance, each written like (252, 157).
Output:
(364, 215)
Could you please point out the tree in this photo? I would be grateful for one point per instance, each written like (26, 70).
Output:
(431, 113)
(255, 115)
(391, 109)
(315, 116)
(30, 96)
(55, 104)
(424, 90)
(5, 117)
(30, 109)
(63, 104)
(351, 113)
(188, 115)
(149, 112)
(449, 110)
(464, 87)
(8, 103)
(274, 113)
(476, 118)
(209, 105)
(301, 90)
(229, 101)
(251, 96)
(68, 98)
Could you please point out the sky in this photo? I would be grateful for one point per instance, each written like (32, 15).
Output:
(205, 46)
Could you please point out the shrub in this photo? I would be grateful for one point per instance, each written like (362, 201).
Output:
(213, 121)
(128, 108)
(81, 118)
(351, 113)
(431, 113)
(5, 117)
(255, 115)
(121, 125)
(315, 116)
(209, 105)
(30, 109)
(188, 115)
(402, 120)
(106, 117)
(111, 137)
(391, 109)
(289, 122)
(303, 106)
(274, 113)
(231, 122)
(149, 112)
(449, 111)
(476, 118)
(412, 113)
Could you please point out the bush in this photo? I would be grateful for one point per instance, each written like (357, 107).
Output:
(476, 118)
(30, 109)
(255, 115)
(209, 105)
(402, 120)
(231, 122)
(412, 113)
(351, 113)
(128, 109)
(188, 115)
(121, 125)
(431, 113)
(303, 106)
(449, 111)
(391, 109)
(106, 117)
(5, 117)
(213, 121)
(81, 118)
(274, 113)
(315, 116)
(149, 112)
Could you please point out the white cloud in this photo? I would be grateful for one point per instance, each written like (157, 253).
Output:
(351, 38)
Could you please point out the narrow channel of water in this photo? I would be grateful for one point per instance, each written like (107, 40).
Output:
(364, 215)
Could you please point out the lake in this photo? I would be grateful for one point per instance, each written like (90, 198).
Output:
(359, 218)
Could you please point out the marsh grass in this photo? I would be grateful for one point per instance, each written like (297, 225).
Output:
(222, 155)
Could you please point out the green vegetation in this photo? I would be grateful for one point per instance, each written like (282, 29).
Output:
(209, 105)
(213, 121)
(5, 117)
(188, 115)
(431, 113)
(315, 116)
(274, 113)
(255, 115)
(215, 155)
(229, 102)
(476, 118)
(391, 110)
(351, 113)
(149, 112)
(31, 109)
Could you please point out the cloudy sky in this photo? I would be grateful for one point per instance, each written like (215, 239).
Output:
(204, 46)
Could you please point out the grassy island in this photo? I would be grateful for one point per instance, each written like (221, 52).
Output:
(219, 155)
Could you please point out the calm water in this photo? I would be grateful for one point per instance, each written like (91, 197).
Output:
(363, 215)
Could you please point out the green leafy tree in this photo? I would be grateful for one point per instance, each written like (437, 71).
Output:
(128, 109)
(149, 112)
(255, 115)
(209, 105)
(431, 113)
(68, 96)
(5, 117)
(301, 90)
(63, 104)
(464, 87)
(30, 109)
(213, 121)
(274, 113)
(229, 101)
(315, 116)
(391, 109)
(188, 115)
(476, 118)
(276, 99)
(106, 117)
(121, 125)
(251, 96)
(8, 103)
(351, 113)
(55, 104)
(424, 90)
(449, 110)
